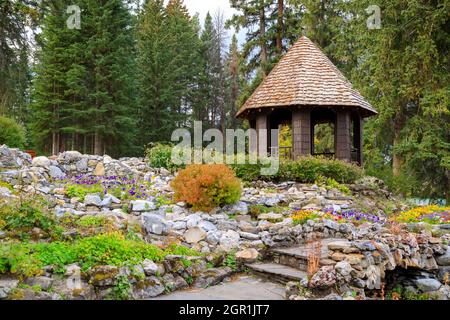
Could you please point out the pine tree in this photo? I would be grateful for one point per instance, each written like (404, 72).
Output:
(15, 16)
(83, 95)
(169, 65)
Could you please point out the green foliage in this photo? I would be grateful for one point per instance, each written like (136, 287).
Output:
(83, 94)
(114, 249)
(330, 184)
(81, 191)
(22, 218)
(304, 170)
(11, 133)
(230, 261)
(92, 222)
(402, 293)
(6, 185)
(160, 156)
(122, 289)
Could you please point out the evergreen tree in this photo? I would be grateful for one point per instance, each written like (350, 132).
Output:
(169, 66)
(15, 16)
(83, 96)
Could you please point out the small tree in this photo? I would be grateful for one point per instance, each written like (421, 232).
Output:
(11, 133)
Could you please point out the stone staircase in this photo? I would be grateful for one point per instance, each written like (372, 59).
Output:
(289, 264)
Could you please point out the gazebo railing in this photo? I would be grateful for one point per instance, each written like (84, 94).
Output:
(328, 155)
(284, 153)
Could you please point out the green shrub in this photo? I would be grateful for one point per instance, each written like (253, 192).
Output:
(330, 184)
(160, 156)
(22, 218)
(304, 170)
(28, 259)
(11, 133)
(81, 191)
(206, 187)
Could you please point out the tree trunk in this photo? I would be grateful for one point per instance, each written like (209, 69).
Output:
(398, 159)
(280, 26)
(98, 148)
(262, 37)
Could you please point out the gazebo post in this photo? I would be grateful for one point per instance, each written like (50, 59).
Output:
(358, 137)
(301, 132)
(261, 125)
(342, 135)
(253, 143)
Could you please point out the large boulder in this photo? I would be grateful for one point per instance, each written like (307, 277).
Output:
(248, 255)
(142, 206)
(195, 235)
(43, 162)
(155, 224)
(229, 240)
(427, 284)
(56, 172)
(444, 260)
(7, 284)
(93, 200)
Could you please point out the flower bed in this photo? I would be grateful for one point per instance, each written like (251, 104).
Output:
(427, 214)
(120, 187)
(339, 216)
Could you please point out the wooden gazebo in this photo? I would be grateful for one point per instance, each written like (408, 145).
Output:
(305, 89)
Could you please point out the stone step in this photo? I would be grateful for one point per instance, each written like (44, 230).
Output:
(277, 272)
(297, 257)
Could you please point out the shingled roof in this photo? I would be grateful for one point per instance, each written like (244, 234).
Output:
(306, 77)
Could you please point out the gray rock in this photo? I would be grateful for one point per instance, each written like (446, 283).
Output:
(179, 225)
(332, 296)
(248, 255)
(239, 208)
(142, 206)
(7, 284)
(344, 268)
(444, 260)
(193, 220)
(207, 226)
(229, 240)
(43, 162)
(339, 245)
(249, 236)
(56, 172)
(108, 200)
(213, 237)
(69, 156)
(443, 274)
(93, 200)
(42, 282)
(195, 235)
(373, 274)
(151, 288)
(151, 268)
(82, 165)
(331, 224)
(427, 284)
(211, 277)
(154, 224)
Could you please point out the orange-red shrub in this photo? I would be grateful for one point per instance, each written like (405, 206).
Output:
(206, 187)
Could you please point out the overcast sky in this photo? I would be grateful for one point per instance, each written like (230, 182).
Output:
(203, 6)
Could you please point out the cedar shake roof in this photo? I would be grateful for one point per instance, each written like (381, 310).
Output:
(306, 77)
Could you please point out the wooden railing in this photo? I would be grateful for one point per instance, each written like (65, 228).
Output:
(284, 153)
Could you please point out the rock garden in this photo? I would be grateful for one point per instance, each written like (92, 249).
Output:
(83, 227)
